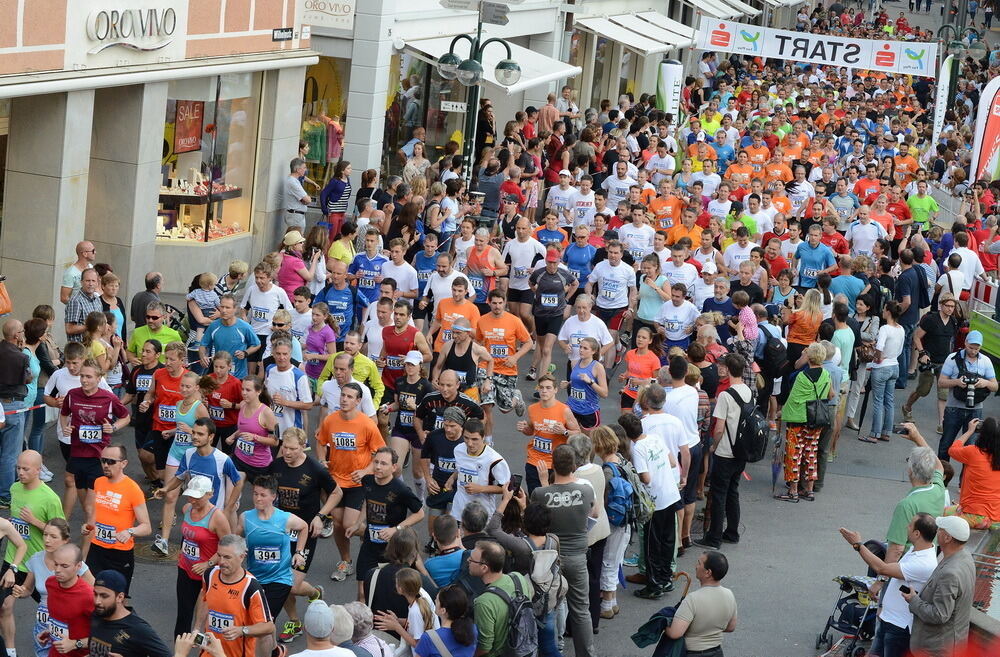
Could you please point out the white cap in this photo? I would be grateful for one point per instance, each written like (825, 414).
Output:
(318, 620)
(956, 526)
(413, 357)
(709, 268)
(198, 487)
(565, 172)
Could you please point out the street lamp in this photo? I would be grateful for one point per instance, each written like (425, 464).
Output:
(470, 72)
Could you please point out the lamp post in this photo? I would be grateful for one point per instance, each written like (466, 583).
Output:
(960, 43)
(470, 73)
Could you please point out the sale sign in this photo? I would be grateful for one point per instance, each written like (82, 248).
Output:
(911, 57)
(187, 125)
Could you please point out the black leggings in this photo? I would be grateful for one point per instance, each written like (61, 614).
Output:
(188, 591)
(595, 562)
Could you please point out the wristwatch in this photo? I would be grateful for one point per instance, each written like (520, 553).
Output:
(80, 644)
(131, 531)
(246, 631)
(856, 546)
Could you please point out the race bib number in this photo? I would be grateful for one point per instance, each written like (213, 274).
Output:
(394, 362)
(245, 446)
(217, 413)
(543, 445)
(260, 314)
(367, 279)
(498, 350)
(58, 629)
(477, 282)
(424, 275)
(576, 338)
(182, 439)
(267, 554)
(22, 527)
(105, 533)
(636, 254)
(167, 413)
(191, 550)
(278, 410)
(520, 272)
(219, 622)
(550, 300)
(438, 421)
(91, 434)
(633, 385)
(608, 294)
(445, 465)
(610, 288)
(446, 335)
(293, 535)
(143, 382)
(406, 418)
(810, 272)
(42, 615)
(578, 394)
(466, 476)
(339, 320)
(344, 440)
(373, 531)
(462, 378)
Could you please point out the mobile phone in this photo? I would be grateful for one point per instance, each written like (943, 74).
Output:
(903, 588)
(515, 482)
(199, 638)
(900, 430)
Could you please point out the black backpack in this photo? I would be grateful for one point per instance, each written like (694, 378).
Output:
(472, 585)
(960, 393)
(752, 430)
(775, 357)
(522, 628)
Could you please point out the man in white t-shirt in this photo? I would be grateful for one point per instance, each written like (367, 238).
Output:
(764, 220)
(617, 186)
(678, 270)
(682, 403)
(584, 324)
(661, 164)
(971, 266)
(737, 252)
(677, 318)
(581, 203)
(655, 464)
(726, 469)
(343, 373)
(559, 198)
(708, 178)
(289, 388)
(862, 233)
(85, 256)
(720, 206)
(913, 570)
(616, 291)
(401, 271)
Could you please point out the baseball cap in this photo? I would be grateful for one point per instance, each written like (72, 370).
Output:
(974, 337)
(709, 268)
(318, 620)
(413, 357)
(512, 198)
(956, 526)
(700, 137)
(565, 172)
(454, 414)
(111, 579)
(552, 255)
(198, 487)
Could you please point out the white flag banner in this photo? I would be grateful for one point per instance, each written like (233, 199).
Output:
(910, 57)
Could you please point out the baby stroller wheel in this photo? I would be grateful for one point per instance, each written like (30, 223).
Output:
(859, 652)
(820, 640)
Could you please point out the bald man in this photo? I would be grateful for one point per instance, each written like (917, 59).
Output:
(32, 505)
(71, 604)
(14, 379)
(85, 256)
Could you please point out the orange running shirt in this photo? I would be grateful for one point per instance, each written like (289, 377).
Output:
(447, 312)
(641, 368)
(741, 174)
(350, 445)
(781, 204)
(667, 210)
(114, 511)
(235, 604)
(500, 336)
(679, 231)
(168, 392)
(758, 156)
(544, 422)
(777, 171)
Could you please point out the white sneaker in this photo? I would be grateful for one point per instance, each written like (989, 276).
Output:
(517, 401)
(327, 530)
(45, 475)
(344, 570)
(160, 546)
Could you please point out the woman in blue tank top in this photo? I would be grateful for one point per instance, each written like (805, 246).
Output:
(588, 384)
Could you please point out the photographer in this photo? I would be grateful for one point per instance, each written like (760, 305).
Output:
(971, 377)
(933, 339)
(979, 502)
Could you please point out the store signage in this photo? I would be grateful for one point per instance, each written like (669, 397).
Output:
(910, 57)
(187, 125)
(144, 30)
(338, 14)
(282, 34)
(453, 106)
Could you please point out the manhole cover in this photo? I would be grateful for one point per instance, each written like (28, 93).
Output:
(144, 552)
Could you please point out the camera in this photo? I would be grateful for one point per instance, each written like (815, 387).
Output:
(900, 430)
(970, 381)
(927, 367)
(199, 638)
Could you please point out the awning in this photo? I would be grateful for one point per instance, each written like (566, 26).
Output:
(634, 40)
(653, 31)
(774, 3)
(743, 8)
(667, 23)
(713, 8)
(536, 69)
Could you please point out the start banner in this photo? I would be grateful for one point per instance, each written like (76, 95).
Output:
(910, 57)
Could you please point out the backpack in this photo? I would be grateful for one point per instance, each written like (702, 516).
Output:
(642, 502)
(546, 576)
(752, 430)
(522, 628)
(960, 392)
(775, 356)
(619, 500)
(472, 585)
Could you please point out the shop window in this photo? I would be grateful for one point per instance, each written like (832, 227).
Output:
(444, 124)
(406, 107)
(627, 75)
(324, 108)
(577, 53)
(602, 69)
(209, 158)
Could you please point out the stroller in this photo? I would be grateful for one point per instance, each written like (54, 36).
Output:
(853, 615)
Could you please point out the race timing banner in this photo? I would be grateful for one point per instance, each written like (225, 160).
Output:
(909, 57)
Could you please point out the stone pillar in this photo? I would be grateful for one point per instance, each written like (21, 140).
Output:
(367, 90)
(125, 155)
(45, 195)
(280, 121)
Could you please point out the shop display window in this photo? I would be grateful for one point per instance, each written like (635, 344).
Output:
(406, 106)
(210, 151)
(324, 108)
(602, 66)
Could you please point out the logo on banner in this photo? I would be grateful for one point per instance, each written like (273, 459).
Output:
(751, 38)
(885, 57)
(720, 37)
(917, 57)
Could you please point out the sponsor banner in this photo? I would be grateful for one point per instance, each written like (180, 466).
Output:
(986, 147)
(668, 87)
(913, 58)
(941, 101)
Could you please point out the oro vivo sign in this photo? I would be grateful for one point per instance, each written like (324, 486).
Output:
(910, 57)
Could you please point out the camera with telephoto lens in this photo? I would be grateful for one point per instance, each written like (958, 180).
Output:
(970, 381)
(927, 367)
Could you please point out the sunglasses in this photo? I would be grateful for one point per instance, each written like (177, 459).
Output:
(105, 461)
(278, 325)
(153, 317)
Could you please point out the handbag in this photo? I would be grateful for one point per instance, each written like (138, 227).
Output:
(866, 352)
(819, 415)
(6, 306)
